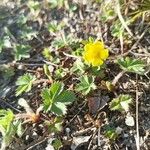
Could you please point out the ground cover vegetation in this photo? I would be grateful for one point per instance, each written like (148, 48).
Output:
(75, 74)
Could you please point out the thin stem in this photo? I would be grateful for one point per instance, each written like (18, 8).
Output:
(137, 116)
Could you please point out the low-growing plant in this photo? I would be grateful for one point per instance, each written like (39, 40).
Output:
(110, 132)
(55, 98)
(132, 65)
(24, 83)
(86, 84)
(54, 26)
(8, 127)
(121, 103)
(21, 51)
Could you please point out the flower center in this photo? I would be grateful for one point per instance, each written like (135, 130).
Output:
(96, 54)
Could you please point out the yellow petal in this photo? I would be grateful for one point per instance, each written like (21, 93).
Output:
(87, 47)
(104, 54)
(87, 57)
(97, 62)
(99, 44)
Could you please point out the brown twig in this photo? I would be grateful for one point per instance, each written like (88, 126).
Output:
(137, 116)
(115, 80)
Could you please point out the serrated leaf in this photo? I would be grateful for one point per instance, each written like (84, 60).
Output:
(21, 51)
(56, 98)
(86, 84)
(121, 103)
(59, 108)
(66, 97)
(24, 83)
(47, 97)
(55, 89)
(132, 65)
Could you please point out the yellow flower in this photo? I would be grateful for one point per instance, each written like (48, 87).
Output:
(95, 53)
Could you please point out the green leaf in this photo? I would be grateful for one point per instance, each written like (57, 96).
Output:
(56, 125)
(6, 117)
(56, 98)
(47, 71)
(55, 89)
(47, 97)
(66, 97)
(7, 127)
(86, 84)
(47, 54)
(59, 108)
(111, 133)
(132, 65)
(57, 144)
(21, 51)
(24, 83)
(121, 103)
(78, 67)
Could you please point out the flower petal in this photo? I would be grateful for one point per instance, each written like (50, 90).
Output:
(87, 47)
(97, 62)
(99, 44)
(104, 54)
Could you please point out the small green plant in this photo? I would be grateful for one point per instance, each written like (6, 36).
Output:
(78, 67)
(132, 65)
(55, 125)
(63, 41)
(54, 27)
(110, 132)
(61, 72)
(21, 51)
(121, 103)
(57, 144)
(86, 84)
(24, 83)
(56, 98)
(47, 54)
(56, 3)
(8, 127)
(33, 6)
(108, 12)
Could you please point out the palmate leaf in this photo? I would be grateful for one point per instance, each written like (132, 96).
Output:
(132, 65)
(121, 103)
(21, 51)
(86, 85)
(56, 98)
(24, 83)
